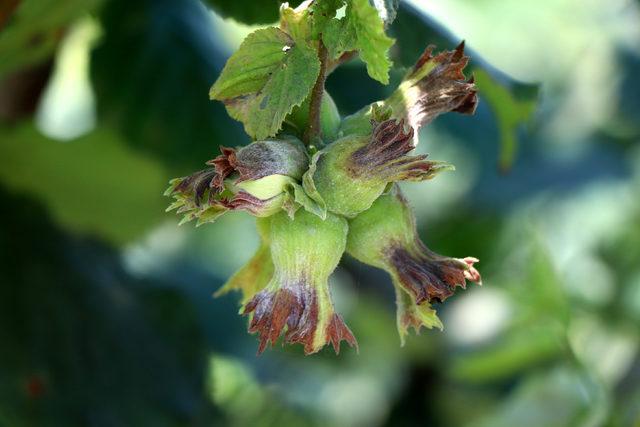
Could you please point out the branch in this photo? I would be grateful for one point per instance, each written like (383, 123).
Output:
(314, 130)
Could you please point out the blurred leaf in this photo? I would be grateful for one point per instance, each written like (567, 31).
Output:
(84, 343)
(560, 398)
(94, 185)
(539, 292)
(510, 111)
(7, 8)
(35, 29)
(538, 331)
(265, 78)
(233, 387)
(244, 400)
(253, 12)
(512, 354)
(627, 410)
(151, 74)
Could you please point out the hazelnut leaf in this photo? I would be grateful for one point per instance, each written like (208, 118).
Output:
(361, 29)
(268, 76)
(323, 12)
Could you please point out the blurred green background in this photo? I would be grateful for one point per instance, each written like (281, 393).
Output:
(106, 314)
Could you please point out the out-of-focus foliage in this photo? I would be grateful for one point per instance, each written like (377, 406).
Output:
(106, 315)
(35, 28)
(156, 58)
(83, 341)
(92, 196)
(510, 112)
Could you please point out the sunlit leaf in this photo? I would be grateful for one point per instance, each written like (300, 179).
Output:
(361, 29)
(323, 12)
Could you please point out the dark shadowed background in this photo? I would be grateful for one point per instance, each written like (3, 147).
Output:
(106, 314)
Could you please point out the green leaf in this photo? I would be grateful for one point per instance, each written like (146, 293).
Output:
(296, 23)
(511, 111)
(175, 111)
(520, 350)
(323, 13)
(244, 401)
(411, 315)
(310, 187)
(35, 28)
(268, 76)
(372, 42)
(301, 198)
(94, 185)
(361, 29)
(339, 37)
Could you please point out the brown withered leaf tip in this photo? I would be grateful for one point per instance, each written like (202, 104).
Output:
(193, 188)
(295, 307)
(197, 184)
(225, 164)
(388, 142)
(410, 320)
(443, 89)
(430, 277)
(384, 156)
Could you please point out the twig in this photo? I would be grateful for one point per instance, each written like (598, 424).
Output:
(345, 57)
(314, 130)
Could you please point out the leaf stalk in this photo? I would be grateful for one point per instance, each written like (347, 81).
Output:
(314, 129)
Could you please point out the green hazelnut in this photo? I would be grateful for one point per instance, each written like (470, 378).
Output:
(305, 251)
(385, 236)
(351, 173)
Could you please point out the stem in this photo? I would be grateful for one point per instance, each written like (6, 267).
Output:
(314, 130)
(345, 57)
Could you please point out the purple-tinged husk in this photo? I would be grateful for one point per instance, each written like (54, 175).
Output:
(385, 236)
(297, 302)
(433, 86)
(354, 171)
(260, 178)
